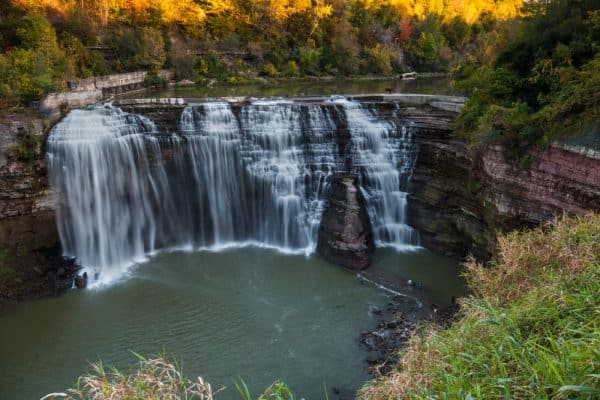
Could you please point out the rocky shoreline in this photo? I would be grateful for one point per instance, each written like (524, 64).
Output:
(399, 322)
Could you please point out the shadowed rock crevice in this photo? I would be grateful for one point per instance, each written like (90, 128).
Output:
(345, 234)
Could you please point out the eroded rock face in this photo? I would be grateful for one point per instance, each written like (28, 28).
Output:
(459, 202)
(443, 204)
(559, 179)
(31, 264)
(345, 235)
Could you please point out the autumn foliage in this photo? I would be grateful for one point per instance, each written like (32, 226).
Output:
(234, 40)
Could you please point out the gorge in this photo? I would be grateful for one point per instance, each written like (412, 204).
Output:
(454, 200)
(270, 182)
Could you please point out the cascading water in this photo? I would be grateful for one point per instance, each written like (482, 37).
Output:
(99, 162)
(383, 155)
(257, 174)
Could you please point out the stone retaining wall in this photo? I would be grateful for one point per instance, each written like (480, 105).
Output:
(91, 90)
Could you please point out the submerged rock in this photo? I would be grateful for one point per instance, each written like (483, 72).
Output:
(345, 233)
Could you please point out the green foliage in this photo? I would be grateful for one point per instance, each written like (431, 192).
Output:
(544, 86)
(310, 58)
(32, 69)
(155, 80)
(291, 69)
(210, 66)
(156, 379)
(139, 48)
(269, 70)
(427, 48)
(380, 59)
(27, 148)
(530, 331)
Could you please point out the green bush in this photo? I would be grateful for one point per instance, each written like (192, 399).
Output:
(310, 58)
(269, 70)
(139, 48)
(380, 59)
(37, 66)
(155, 80)
(291, 69)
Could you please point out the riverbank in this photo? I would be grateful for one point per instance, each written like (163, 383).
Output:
(529, 331)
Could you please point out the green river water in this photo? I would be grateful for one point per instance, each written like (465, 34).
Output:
(250, 313)
(247, 313)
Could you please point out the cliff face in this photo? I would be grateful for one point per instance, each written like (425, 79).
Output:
(560, 179)
(30, 255)
(458, 202)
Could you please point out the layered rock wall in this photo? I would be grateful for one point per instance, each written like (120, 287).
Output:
(30, 255)
(559, 179)
(459, 201)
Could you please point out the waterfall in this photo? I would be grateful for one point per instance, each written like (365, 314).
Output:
(383, 155)
(254, 174)
(100, 163)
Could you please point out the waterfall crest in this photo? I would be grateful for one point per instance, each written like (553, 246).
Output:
(257, 175)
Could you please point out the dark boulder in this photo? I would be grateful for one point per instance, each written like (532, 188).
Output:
(345, 234)
(81, 281)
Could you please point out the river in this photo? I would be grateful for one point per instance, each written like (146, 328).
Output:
(204, 241)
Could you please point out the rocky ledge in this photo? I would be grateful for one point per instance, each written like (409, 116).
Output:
(458, 201)
(345, 235)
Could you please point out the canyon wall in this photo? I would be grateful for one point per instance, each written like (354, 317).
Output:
(457, 201)
(30, 256)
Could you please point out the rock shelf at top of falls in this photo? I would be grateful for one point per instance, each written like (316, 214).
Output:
(254, 174)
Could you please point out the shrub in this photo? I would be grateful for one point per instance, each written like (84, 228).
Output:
(139, 48)
(269, 70)
(291, 69)
(155, 80)
(310, 57)
(380, 59)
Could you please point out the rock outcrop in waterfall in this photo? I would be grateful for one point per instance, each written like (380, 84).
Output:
(345, 233)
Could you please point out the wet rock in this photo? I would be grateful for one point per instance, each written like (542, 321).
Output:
(385, 340)
(345, 233)
(81, 281)
(375, 310)
(396, 328)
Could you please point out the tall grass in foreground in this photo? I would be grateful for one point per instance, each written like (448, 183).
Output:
(158, 379)
(530, 331)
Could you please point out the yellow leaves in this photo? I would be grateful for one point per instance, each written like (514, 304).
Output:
(468, 10)
(192, 13)
(184, 12)
(36, 5)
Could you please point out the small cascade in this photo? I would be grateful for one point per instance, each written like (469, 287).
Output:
(254, 174)
(383, 154)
